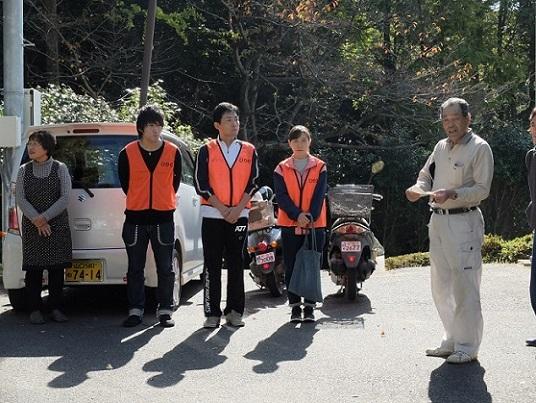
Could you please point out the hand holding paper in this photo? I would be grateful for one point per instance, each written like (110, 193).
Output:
(414, 193)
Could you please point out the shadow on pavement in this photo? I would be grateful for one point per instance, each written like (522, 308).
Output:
(341, 313)
(199, 351)
(288, 343)
(257, 300)
(458, 383)
(92, 340)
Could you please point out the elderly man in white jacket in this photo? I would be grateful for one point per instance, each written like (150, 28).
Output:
(456, 177)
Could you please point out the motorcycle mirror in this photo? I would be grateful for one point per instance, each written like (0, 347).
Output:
(266, 192)
(377, 167)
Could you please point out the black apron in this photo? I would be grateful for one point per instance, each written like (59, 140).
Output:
(41, 252)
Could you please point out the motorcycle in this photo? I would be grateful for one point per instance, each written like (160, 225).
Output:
(352, 250)
(264, 244)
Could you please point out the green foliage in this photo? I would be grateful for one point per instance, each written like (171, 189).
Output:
(494, 250)
(60, 104)
(515, 249)
(410, 260)
(491, 248)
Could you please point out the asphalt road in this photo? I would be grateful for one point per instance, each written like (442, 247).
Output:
(371, 350)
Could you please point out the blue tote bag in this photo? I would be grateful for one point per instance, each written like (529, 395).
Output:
(305, 280)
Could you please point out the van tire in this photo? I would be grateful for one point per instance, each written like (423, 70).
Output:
(17, 299)
(177, 268)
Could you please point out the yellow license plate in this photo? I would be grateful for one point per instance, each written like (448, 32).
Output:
(84, 271)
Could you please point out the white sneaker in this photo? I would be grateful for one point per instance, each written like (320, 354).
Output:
(211, 322)
(438, 352)
(460, 357)
(234, 319)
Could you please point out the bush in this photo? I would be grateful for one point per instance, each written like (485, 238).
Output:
(494, 250)
(491, 248)
(515, 249)
(410, 260)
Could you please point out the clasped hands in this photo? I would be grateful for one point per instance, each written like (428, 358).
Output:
(43, 228)
(231, 214)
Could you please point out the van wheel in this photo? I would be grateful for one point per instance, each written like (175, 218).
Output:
(17, 299)
(177, 269)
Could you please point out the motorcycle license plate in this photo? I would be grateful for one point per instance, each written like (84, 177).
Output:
(265, 258)
(350, 246)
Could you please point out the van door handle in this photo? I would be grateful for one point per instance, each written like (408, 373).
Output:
(82, 224)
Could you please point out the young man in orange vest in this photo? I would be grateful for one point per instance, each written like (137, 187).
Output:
(225, 175)
(150, 174)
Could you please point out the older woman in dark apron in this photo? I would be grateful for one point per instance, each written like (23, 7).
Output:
(42, 192)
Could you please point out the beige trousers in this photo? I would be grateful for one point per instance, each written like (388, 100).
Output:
(456, 270)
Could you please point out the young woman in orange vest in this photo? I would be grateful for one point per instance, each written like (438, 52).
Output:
(225, 174)
(150, 174)
(300, 183)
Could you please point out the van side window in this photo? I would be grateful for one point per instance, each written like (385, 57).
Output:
(187, 166)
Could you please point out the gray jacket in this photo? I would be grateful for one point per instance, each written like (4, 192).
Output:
(530, 162)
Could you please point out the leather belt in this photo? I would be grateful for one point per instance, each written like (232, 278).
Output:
(452, 210)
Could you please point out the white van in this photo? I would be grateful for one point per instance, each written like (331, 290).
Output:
(96, 212)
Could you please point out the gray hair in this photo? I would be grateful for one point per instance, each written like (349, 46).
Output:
(462, 105)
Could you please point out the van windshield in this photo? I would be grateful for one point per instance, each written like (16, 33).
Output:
(92, 160)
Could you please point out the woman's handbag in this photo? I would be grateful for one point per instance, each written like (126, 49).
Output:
(305, 279)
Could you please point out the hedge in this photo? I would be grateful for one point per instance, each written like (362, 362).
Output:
(494, 250)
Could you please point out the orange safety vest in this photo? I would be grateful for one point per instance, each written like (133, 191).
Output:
(229, 183)
(142, 194)
(301, 194)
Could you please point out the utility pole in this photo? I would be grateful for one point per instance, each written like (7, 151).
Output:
(13, 81)
(147, 51)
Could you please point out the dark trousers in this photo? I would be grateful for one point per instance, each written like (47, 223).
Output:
(222, 239)
(291, 245)
(34, 285)
(532, 287)
(162, 238)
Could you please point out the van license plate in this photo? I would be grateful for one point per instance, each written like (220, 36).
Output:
(84, 271)
(350, 246)
(265, 258)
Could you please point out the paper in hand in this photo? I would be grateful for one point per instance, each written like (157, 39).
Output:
(419, 191)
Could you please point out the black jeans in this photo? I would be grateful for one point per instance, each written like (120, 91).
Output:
(291, 245)
(162, 238)
(220, 239)
(532, 287)
(34, 285)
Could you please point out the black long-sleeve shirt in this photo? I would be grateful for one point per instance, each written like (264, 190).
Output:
(151, 158)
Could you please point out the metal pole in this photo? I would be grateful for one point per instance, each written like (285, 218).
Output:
(147, 51)
(13, 81)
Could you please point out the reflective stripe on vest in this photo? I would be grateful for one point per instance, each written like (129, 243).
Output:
(142, 195)
(301, 195)
(229, 183)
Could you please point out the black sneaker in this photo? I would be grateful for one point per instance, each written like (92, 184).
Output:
(295, 316)
(166, 321)
(132, 320)
(308, 314)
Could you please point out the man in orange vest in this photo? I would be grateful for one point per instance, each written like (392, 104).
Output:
(225, 175)
(150, 173)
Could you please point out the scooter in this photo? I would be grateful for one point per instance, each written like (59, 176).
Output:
(264, 244)
(353, 250)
